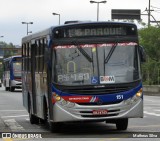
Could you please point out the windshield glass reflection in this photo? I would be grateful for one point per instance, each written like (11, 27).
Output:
(91, 64)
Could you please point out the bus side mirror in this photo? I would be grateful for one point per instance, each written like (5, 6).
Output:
(142, 54)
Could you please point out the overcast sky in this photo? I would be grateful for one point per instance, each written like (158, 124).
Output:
(13, 12)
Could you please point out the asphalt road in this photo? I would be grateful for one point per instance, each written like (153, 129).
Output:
(14, 118)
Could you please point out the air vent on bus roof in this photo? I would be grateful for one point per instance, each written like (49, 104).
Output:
(70, 22)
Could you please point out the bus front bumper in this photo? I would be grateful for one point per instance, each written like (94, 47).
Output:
(124, 109)
(16, 84)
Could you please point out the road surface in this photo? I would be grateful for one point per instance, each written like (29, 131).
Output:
(14, 118)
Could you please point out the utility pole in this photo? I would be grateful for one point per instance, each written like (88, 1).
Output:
(27, 23)
(59, 17)
(149, 13)
(92, 1)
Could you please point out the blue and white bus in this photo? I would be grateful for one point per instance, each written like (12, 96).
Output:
(83, 72)
(12, 73)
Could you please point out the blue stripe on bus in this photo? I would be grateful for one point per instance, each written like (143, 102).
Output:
(104, 97)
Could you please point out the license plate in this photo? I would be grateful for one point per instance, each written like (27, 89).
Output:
(100, 112)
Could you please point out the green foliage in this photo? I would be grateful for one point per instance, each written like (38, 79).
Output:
(5, 45)
(150, 40)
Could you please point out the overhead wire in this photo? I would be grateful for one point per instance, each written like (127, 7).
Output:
(155, 7)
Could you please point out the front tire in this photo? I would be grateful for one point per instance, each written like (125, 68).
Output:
(53, 127)
(12, 89)
(6, 88)
(122, 124)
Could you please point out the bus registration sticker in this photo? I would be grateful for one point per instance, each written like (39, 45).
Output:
(107, 79)
(100, 112)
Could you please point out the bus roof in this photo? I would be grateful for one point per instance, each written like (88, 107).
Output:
(103, 22)
(11, 57)
(42, 33)
(48, 31)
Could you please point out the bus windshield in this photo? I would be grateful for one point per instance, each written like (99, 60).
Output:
(17, 69)
(91, 64)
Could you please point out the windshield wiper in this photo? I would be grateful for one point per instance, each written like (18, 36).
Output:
(110, 53)
(85, 54)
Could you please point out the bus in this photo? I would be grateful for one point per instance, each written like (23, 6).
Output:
(83, 72)
(12, 73)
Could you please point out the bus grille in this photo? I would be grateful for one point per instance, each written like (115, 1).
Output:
(96, 103)
(89, 111)
(99, 89)
(105, 90)
(19, 84)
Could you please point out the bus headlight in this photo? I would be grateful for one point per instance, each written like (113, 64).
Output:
(58, 98)
(128, 101)
(61, 101)
(137, 95)
(66, 103)
(70, 105)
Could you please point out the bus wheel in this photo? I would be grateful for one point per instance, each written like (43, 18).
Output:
(12, 89)
(33, 118)
(53, 127)
(6, 88)
(122, 124)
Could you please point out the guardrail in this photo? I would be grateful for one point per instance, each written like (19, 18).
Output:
(151, 90)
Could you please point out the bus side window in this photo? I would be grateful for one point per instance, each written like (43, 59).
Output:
(43, 49)
(29, 57)
(41, 54)
(47, 54)
(37, 56)
(23, 56)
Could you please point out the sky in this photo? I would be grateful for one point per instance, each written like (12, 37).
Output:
(14, 12)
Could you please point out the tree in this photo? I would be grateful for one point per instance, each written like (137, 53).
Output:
(150, 40)
(7, 53)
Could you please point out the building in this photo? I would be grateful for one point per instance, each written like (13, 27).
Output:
(6, 52)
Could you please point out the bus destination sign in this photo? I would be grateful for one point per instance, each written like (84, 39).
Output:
(78, 32)
(91, 30)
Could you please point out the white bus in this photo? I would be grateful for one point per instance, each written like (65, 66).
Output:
(12, 73)
(83, 72)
